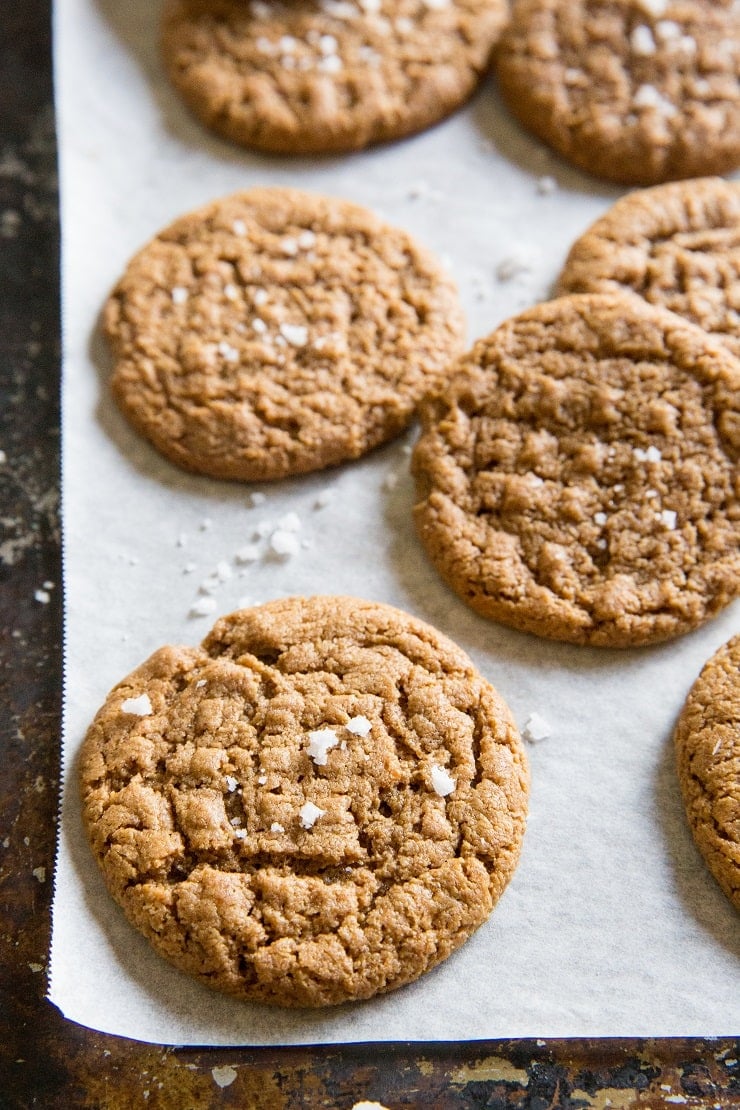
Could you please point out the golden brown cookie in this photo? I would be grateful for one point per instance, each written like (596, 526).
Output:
(320, 76)
(275, 332)
(708, 757)
(578, 478)
(320, 803)
(676, 245)
(635, 91)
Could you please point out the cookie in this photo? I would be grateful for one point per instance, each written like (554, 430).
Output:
(320, 803)
(634, 91)
(707, 742)
(578, 478)
(275, 332)
(676, 245)
(325, 76)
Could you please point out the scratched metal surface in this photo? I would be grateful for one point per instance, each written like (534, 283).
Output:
(48, 1062)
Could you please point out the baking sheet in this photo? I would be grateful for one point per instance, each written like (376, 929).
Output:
(611, 925)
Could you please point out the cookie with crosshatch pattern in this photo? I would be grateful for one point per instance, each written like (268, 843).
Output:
(275, 332)
(326, 76)
(707, 741)
(321, 802)
(578, 476)
(634, 91)
(676, 245)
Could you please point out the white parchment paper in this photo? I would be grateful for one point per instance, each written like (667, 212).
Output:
(611, 925)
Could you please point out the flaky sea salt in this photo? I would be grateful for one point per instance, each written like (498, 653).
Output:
(651, 454)
(228, 352)
(231, 783)
(359, 726)
(290, 522)
(296, 334)
(239, 227)
(284, 544)
(515, 265)
(600, 519)
(535, 728)
(276, 827)
(42, 596)
(250, 553)
(642, 41)
(289, 246)
(140, 706)
(179, 294)
(330, 64)
(667, 30)
(668, 517)
(309, 815)
(203, 606)
(654, 7)
(320, 741)
(442, 782)
(647, 96)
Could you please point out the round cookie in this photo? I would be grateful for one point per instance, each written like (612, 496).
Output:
(322, 76)
(578, 477)
(320, 803)
(275, 332)
(707, 742)
(634, 91)
(676, 245)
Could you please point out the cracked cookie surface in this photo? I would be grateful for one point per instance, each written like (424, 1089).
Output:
(634, 91)
(578, 478)
(275, 332)
(320, 803)
(676, 245)
(707, 740)
(322, 76)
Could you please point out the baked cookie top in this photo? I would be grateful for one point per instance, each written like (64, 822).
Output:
(708, 757)
(275, 332)
(634, 91)
(676, 245)
(320, 803)
(320, 76)
(578, 478)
